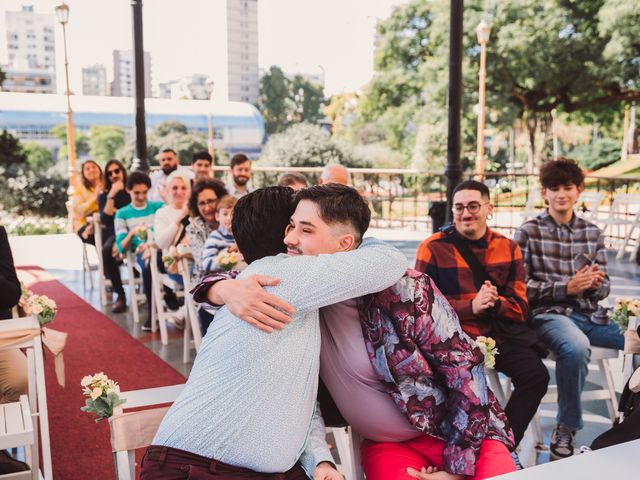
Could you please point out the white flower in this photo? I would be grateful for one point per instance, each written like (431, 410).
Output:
(36, 309)
(95, 393)
(86, 381)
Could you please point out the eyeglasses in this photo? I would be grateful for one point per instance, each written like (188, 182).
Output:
(472, 207)
(115, 171)
(208, 203)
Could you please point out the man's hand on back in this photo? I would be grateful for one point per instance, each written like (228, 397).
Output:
(326, 471)
(485, 299)
(247, 299)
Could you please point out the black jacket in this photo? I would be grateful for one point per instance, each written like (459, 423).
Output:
(9, 284)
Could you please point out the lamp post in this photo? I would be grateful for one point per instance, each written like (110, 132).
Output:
(483, 31)
(212, 150)
(62, 12)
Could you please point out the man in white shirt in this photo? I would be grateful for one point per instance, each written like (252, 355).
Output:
(169, 162)
(240, 175)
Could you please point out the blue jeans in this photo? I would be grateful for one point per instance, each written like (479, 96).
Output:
(570, 339)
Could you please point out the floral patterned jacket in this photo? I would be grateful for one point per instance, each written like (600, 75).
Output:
(432, 369)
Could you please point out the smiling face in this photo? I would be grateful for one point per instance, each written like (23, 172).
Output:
(471, 224)
(178, 192)
(241, 173)
(202, 169)
(138, 194)
(308, 234)
(207, 202)
(561, 198)
(91, 172)
(115, 173)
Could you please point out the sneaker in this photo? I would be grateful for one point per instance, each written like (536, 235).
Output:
(120, 305)
(516, 460)
(147, 326)
(562, 442)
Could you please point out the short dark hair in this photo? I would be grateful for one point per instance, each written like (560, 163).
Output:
(473, 185)
(203, 155)
(107, 180)
(259, 222)
(289, 178)
(138, 178)
(205, 184)
(338, 204)
(167, 150)
(562, 171)
(238, 159)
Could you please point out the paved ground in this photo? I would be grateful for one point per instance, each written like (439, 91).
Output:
(62, 256)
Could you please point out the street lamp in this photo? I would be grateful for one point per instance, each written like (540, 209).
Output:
(212, 150)
(62, 12)
(483, 31)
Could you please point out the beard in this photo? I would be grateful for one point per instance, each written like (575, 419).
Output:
(241, 181)
(167, 169)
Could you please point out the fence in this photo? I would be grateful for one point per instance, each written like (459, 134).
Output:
(401, 198)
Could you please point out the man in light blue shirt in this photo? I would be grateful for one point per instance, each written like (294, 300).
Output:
(249, 402)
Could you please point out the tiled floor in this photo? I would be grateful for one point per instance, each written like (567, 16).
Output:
(66, 264)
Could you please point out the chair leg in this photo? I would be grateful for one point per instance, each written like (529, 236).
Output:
(343, 444)
(612, 401)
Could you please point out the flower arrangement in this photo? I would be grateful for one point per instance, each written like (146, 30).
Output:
(488, 347)
(625, 308)
(103, 395)
(142, 232)
(228, 260)
(43, 307)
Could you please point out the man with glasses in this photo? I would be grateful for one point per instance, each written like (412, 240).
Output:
(488, 293)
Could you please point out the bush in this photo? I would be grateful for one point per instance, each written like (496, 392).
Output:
(38, 193)
(36, 226)
(599, 154)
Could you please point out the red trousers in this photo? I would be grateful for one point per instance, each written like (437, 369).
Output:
(389, 461)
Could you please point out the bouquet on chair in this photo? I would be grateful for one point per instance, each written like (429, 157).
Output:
(103, 395)
(43, 307)
(488, 347)
(228, 260)
(625, 308)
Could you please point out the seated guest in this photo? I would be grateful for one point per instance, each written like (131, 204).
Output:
(113, 197)
(13, 363)
(397, 356)
(133, 225)
(240, 173)
(566, 264)
(169, 162)
(249, 403)
(334, 173)
(221, 238)
(294, 180)
(85, 200)
(170, 220)
(489, 295)
(202, 165)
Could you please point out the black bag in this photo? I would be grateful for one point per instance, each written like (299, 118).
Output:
(517, 333)
(629, 428)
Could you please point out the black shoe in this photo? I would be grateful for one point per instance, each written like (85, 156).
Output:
(8, 464)
(120, 305)
(563, 440)
(147, 326)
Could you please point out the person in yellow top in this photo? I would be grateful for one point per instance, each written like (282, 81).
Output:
(85, 200)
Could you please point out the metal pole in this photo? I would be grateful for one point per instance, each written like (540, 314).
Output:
(453, 170)
(140, 160)
(71, 145)
(480, 165)
(212, 150)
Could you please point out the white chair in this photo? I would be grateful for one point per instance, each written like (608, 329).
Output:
(21, 421)
(532, 207)
(103, 281)
(136, 286)
(192, 311)
(131, 430)
(623, 215)
(592, 202)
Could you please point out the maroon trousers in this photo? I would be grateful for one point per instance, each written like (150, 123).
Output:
(165, 463)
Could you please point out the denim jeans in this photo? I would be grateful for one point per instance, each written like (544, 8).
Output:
(570, 339)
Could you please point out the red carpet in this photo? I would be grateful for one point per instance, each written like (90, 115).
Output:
(80, 447)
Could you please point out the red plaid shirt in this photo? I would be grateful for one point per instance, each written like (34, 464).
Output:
(501, 257)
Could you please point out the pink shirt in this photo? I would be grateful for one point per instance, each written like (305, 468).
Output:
(346, 370)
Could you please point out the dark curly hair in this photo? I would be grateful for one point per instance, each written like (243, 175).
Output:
(205, 184)
(107, 179)
(562, 171)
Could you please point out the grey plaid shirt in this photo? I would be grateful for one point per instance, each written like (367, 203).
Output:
(552, 254)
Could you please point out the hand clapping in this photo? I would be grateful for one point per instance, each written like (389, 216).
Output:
(485, 299)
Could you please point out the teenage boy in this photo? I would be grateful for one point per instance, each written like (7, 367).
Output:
(249, 403)
(565, 260)
(133, 224)
(202, 165)
(481, 273)
(240, 170)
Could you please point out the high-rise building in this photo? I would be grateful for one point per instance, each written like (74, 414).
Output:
(191, 87)
(123, 84)
(242, 50)
(31, 52)
(94, 80)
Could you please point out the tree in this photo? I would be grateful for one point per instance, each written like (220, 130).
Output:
(307, 99)
(81, 140)
(11, 154)
(306, 145)
(39, 157)
(106, 142)
(274, 92)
